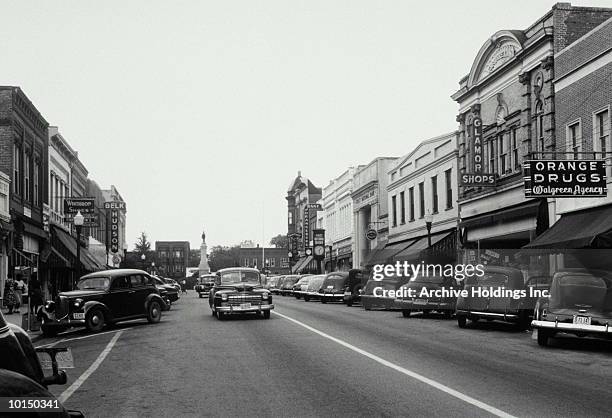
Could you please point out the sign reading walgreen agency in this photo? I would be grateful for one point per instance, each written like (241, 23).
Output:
(477, 178)
(565, 178)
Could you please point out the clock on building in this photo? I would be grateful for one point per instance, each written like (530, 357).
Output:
(319, 251)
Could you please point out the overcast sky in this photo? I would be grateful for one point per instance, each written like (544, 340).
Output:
(202, 112)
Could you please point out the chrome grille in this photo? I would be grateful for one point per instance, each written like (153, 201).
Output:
(61, 306)
(236, 300)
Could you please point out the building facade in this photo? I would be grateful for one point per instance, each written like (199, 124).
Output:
(338, 220)
(276, 259)
(370, 208)
(172, 259)
(510, 92)
(24, 156)
(5, 229)
(583, 101)
(423, 185)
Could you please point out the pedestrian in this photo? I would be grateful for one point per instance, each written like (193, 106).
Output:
(20, 288)
(184, 286)
(9, 295)
(35, 293)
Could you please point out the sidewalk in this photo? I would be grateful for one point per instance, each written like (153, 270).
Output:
(16, 318)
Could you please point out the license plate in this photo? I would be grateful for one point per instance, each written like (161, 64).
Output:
(330, 287)
(419, 301)
(78, 315)
(347, 293)
(582, 320)
(245, 306)
(64, 360)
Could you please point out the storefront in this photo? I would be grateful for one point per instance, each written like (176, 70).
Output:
(6, 228)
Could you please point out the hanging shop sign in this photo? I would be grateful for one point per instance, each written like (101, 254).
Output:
(477, 177)
(371, 234)
(85, 205)
(565, 178)
(318, 241)
(113, 209)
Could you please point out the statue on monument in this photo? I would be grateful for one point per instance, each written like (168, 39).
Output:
(203, 268)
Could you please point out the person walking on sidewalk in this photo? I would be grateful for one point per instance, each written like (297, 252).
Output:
(20, 289)
(184, 286)
(10, 300)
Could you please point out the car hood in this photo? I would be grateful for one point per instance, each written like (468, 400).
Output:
(81, 293)
(240, 287)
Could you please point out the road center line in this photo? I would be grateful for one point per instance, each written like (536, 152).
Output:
(77, 383)
(414, 375)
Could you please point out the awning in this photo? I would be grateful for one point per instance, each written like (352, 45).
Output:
(301, 264)
(414, 250)
(590, 228)
(35, 230)
(488, 219)
(376, 254)
(88, 262)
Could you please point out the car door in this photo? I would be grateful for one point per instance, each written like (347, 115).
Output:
(500, 304)
(140, 291)
(119, 296)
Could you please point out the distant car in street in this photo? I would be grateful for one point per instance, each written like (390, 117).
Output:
(286, 288)
(276, 285)
(580, 304)
(239, 290)
(314, 285)
(170, 291)
(424, 303)
(172, 283)
(355, 283)
(205, 283)
(332, 288)
(101, 298)
(390, 282)
(518, 311)
(301, 285)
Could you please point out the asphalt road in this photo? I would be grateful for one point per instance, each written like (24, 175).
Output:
(312, 359)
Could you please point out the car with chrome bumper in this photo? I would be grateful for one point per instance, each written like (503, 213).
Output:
(580, 304)
(301, 285)
(205, 283)
(239, 290)
(286, 288)
(354, 285)
(101, 298)
(375, 293)
(425, 300)
(314, 285)
(332, 288)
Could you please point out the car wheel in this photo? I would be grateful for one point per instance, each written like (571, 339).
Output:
(154, 312)
(543, 338)
(266, 314)
(461, 321)
(306, 298)
(48, 331)
(94, 320)
(349, 303)
(220, 316)
(406, 313)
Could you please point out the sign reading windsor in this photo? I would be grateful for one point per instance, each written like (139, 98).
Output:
(477, 177)
(565, 178)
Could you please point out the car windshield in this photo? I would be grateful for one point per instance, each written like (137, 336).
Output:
(581, 291)
(315, 283)
(303, 280)
(94, 283)
(230, 277)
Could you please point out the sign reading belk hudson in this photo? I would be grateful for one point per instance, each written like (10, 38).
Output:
(565, 178)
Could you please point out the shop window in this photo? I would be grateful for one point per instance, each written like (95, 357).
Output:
(574, 139)
(394, 210)
(411, 202)
(515, 150)
(434, 194)
(272, 262)
(503, 154)
(421, 200)
(491, 152)
(402, 208)
(449, 188)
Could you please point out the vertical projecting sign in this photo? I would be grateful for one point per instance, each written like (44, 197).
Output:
(477, 177)
(115, 208)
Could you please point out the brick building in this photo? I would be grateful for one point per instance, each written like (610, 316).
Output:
(583, 100)
(276, 259)
(510, 89)
(172, 258)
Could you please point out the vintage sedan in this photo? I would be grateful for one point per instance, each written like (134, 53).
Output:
(373, 295)
(423, 287)
(580, 303)
(506, 308)
(332, 288)
(314, 285)
(275, 287)
(205, 283)
(355, 283)
(301, 286)
(101, 298)
(239, 290)
(286, 288)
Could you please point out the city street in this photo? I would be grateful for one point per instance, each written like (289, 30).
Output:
(311, 359)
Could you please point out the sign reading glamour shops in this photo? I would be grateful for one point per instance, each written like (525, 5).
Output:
(565, 178)
(478, 177)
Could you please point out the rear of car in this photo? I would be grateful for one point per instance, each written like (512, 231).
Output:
(354, 285)
(375, 293)
(424, 288)
(300, 286)
(314, 285)
(332, 288)
(287, 286)
(276, 286)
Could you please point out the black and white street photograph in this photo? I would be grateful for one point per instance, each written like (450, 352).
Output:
(305, 208)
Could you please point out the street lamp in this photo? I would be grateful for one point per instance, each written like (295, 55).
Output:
(153, 267)
(143, 258)
(79, 219)
(428, 222)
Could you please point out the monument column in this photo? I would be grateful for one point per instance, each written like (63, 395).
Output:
(203, 268)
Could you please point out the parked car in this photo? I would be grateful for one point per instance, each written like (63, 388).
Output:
(518, 311)
(276, 285)
(205, 283)
(332, 288)
(314, 285)
(301, 286)
(580, 303)
(168, 290)
(172, 283)
(104, 297)
(286, 288)
(239, 290)
(355, 283)
(390, 282)
(425, 303)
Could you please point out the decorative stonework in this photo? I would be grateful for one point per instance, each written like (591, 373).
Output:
(548, 62)
(502, 53)
(203, 268)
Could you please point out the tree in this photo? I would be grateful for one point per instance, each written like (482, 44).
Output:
(280, 241)
(222, 257)
(142, 246)
(194, 258)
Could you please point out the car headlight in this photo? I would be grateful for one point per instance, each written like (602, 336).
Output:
(78, 303)
(224, 296)
(50, 306)
(265, 295)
